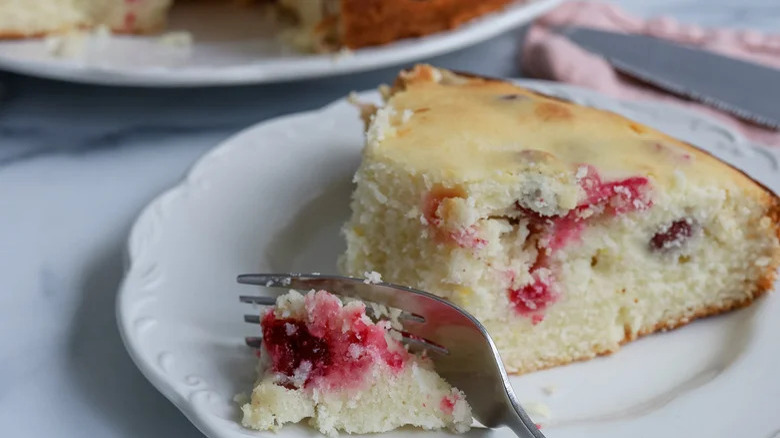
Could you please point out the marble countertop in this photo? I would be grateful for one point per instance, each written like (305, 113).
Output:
(78, 162)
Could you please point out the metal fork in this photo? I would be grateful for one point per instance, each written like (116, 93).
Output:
(462, 351)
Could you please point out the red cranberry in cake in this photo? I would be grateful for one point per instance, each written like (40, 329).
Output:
(566, 230)
(318, 352)
(534, 297)
(327, 362)
(673, 235)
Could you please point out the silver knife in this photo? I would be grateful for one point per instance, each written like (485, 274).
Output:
(744, 89)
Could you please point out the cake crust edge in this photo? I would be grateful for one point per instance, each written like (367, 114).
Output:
(663, 326)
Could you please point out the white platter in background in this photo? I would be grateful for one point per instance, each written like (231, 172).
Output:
(233, 46)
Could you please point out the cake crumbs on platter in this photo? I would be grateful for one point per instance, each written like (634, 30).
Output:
(176, 39)
(342, 54)
(372, 277)
(66, 45)
(75, 43)
(241, 398)
(550, 389)
(101, 36)
(537, 409)
(353, 98)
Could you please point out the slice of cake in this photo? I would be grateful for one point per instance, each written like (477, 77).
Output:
(566, 230)
(328, 362)
(26, 18)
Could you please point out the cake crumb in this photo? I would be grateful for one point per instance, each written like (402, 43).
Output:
(342, 54)
(241, 398)
(101, 36)
(537, 409)
(385, 91)
(177, 39)
(66, 45)
(372, 277)
(549, 389)
(354, 98)
(75, 44)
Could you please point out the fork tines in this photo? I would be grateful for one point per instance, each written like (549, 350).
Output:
(312, 282)
(263, 301)
(253, 341)
(252, 319)
(316, 281)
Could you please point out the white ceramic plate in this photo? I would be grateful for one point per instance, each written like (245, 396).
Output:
(272, 199)
(235, 46)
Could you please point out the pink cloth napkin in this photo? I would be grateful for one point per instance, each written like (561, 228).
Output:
(549, 56)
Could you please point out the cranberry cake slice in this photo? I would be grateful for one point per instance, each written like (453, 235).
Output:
(327, 362)
(565, 229)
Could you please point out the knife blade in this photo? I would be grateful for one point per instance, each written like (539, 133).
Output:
(744, 89)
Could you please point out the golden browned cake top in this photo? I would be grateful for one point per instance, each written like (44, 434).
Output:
(478, 128)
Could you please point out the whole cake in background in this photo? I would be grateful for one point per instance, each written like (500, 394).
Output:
(325, 361)
(323, 25)
(565, 230)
